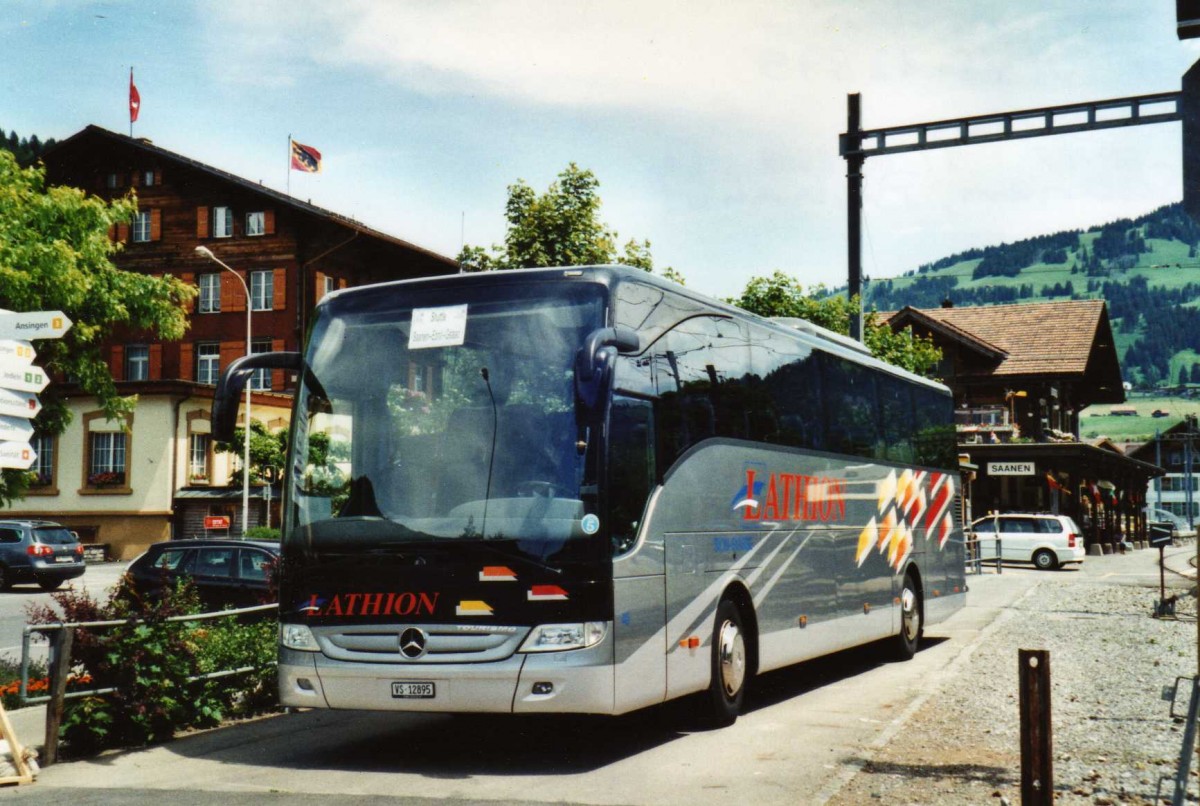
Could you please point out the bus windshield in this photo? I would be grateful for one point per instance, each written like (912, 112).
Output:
(428, 417)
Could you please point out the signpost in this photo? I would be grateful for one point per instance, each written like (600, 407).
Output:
(216, 522)
(17, 429)
(17, 352)
(19, 404)
(34, 325)
(20, 381)
(17, 455)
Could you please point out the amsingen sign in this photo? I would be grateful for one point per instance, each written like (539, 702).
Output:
(1010, 468)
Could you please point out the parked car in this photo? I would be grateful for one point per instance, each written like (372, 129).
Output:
(38, 551)
(226, 572)
(1047, 541)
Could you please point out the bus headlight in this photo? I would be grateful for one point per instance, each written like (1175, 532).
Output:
(558, 637)
(298, 636)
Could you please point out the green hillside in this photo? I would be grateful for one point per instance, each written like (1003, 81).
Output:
(1146, 269)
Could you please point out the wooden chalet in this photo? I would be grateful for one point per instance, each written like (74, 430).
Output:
(1021, 375)
(156, 475)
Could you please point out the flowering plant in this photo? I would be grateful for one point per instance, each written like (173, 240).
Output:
(107, 478)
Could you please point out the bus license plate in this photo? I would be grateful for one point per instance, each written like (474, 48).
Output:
(406, 691)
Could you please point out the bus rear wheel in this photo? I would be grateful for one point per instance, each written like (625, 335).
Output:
(911, 619)
(728, 687)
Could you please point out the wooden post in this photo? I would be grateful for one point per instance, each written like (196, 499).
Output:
(1037, 749)
(60, 668)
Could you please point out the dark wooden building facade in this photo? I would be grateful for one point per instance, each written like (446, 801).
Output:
(155, 475)
(1021, 375)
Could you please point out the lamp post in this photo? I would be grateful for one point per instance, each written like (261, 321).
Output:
(205, 252)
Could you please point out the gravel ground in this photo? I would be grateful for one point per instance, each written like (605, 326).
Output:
(1113, 735)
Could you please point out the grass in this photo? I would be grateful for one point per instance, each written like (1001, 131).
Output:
(1095, 421)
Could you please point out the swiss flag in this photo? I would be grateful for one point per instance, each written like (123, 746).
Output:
(135, 100)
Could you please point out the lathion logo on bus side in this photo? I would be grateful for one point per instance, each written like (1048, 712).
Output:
(790, 497)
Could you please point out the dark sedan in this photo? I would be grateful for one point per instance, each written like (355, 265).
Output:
(227, 573)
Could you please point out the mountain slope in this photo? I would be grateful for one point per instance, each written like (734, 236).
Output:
(1147, 269)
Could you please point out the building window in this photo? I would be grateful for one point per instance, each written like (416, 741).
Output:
(106, 465)
(148, 178)
(112, 181)
(256, 223)
(210, 293)
(141, 227)
(137, 362)
(261, 379)
(262, 290)
(222, 223)
(330, 285)
(198, 451)
(43, 467)
(208, 362)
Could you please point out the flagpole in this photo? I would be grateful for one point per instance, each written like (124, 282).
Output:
(131, 115)
(289, 166)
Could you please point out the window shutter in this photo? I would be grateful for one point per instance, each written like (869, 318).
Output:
(112, 232)
(156, 224)
(155, 362)
(135, 179)
(187, 366)
(116, 363)
(202, 222)
(231, 350)
(158, 176)
(269, 222)
(341, 282)
(233, 297)
(189, 278)
(279, 290)
(277, 379)
(122, 232)
(319, 291)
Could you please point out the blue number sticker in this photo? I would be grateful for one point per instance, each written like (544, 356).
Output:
(590, 524)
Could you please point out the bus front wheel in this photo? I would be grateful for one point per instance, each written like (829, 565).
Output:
(728, 686)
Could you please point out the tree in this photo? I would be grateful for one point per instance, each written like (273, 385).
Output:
(55, 255)
(561, 227)
(782, 295)
(267, 451)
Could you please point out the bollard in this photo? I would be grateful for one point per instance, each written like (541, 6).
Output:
(1037, 748)
(60, 668)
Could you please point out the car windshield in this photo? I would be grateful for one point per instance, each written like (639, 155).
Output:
(53, 536)
(423, 417)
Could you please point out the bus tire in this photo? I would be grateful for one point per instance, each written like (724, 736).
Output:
(912, 619)
(727, 688)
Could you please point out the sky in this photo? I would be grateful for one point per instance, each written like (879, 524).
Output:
(711, 126)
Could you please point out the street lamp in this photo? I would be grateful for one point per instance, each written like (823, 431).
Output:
(205, 252)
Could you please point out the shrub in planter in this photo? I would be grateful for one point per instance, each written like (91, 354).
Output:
(149, 661)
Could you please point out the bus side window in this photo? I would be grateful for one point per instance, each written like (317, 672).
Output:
(851, 407)
(631, 472)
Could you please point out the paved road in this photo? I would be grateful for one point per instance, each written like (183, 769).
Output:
(98, 580)
(786, 749)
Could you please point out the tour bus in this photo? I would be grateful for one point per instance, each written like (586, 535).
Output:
(590, 490)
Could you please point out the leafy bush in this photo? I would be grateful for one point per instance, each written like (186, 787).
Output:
(149, 660)
(263, 533)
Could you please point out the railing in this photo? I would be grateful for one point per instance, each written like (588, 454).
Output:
(62, 634)
(976, 556)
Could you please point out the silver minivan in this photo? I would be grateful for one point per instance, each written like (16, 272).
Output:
(1047, 541)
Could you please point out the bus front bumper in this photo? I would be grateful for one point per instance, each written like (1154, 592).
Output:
(574, 681)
